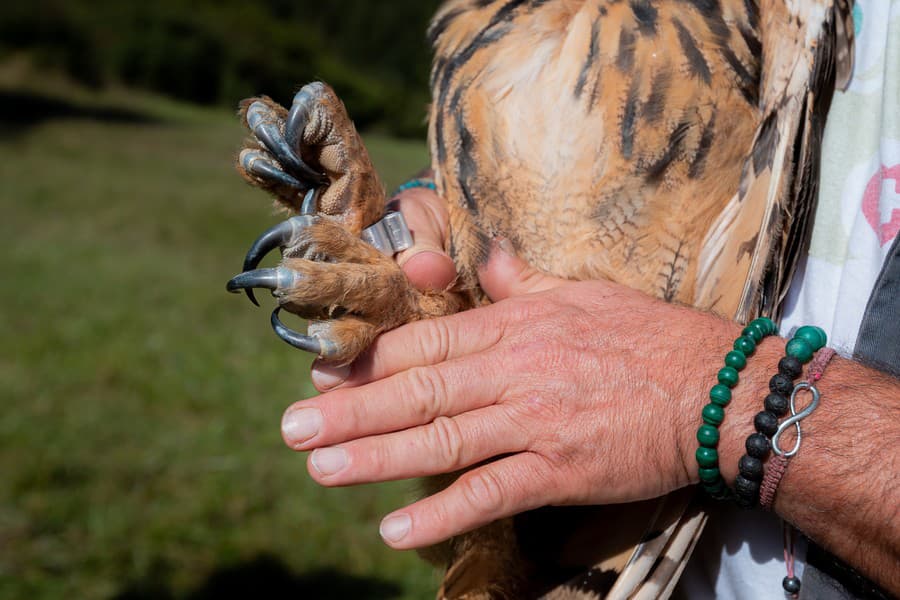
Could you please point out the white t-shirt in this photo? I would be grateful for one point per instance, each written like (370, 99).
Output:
(740, 554)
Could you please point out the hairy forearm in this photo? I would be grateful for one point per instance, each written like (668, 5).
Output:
(842, 489)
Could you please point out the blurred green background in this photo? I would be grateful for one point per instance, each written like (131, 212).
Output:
(140, 454)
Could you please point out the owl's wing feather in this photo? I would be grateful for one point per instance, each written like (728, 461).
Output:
(751, 252)
(753, 248)
(667, 571)
(675, 528)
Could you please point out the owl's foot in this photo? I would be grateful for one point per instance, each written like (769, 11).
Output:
(312, 145)
(337, 268)
(348, 289)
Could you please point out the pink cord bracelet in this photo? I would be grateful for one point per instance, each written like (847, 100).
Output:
(778, 464)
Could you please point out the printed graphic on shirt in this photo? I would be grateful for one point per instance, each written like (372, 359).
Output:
(881, 203)
(871, 23)
(861, 154)
(859, 198)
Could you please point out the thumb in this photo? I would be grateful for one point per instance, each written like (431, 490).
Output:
(506, 275)
(426, 264)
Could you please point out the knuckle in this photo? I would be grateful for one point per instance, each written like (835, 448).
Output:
(356, 416)
(378, 460)
(434, 343)
(315, 87)
(483, 492)
(442, 516)
(426, 391)
(571, 321)
(537, 409)
(522, 310)
(445, 437)
(546, 474)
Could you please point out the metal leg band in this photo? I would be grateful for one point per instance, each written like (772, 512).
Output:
(390, 235)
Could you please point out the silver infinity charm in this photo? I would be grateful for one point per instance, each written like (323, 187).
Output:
(794, 420)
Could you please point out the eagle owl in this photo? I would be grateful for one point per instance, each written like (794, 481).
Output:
(669, 145)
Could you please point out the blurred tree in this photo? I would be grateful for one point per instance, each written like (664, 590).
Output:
(218, 51)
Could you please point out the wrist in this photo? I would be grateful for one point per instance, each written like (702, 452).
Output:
(700, 354)
(748, 399)
(747, 396)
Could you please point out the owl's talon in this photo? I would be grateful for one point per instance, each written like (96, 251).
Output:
(259, 164)
(299, 340)
(271, 279)
(279, 236)
(310, 204)
(263, 122)
(276, 236)
(298, 116)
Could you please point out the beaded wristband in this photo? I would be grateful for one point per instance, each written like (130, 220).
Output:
(418, 182)
(798, 351)
(720, 396)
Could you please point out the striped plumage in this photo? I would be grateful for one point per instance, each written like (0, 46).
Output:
(594, 135)
(670, 145)
(604, 138)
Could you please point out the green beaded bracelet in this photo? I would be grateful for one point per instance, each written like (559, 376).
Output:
(720, 396)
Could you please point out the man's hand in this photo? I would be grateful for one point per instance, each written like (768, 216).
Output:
(550, 380)
(568, 392)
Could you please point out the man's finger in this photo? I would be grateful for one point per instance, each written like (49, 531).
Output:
(419, 344)
(499, 489)
(506, 275)
(445, 445)
(410, 398)
(426, 264)
(429, 270)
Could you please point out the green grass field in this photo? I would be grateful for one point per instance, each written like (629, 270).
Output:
(140, 454)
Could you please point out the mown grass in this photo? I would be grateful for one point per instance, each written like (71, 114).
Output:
(140, 454)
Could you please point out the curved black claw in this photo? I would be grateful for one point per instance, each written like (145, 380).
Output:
(295, 338)
(271, 279)
(310, 204)
(258, 163)
(298, 117)
(261, 122)
(277, 236)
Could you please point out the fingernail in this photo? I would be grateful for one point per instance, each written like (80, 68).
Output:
(301, 425)
(329, 461)
(505, 245)
(325, 376)
(420, 255)
(395, 527)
